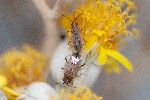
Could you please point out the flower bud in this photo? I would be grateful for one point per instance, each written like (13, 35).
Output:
(39, 91)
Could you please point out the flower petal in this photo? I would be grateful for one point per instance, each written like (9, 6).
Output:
(93, 38)
(103, 56)
(98, 32)
(10, 91)
(3, 81)
(66, 21)
(122, 59)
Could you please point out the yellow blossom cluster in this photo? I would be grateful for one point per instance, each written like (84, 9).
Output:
(21, 67)
(103, 25)
(81, 93)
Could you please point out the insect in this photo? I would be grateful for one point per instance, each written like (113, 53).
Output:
(71, 68)
(76, 39)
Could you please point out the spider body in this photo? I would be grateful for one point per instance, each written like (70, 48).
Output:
(73, 64)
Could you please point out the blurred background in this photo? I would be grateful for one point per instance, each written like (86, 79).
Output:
(21, 22)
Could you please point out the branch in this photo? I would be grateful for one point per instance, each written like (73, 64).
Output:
(43, 8)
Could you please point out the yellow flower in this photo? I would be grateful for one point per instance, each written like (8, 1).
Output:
(21, 67)
(104, 25)
(81, 93)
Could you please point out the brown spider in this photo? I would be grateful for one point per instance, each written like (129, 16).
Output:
(71, 68)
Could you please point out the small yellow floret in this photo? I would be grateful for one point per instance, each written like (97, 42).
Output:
(22, 67)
